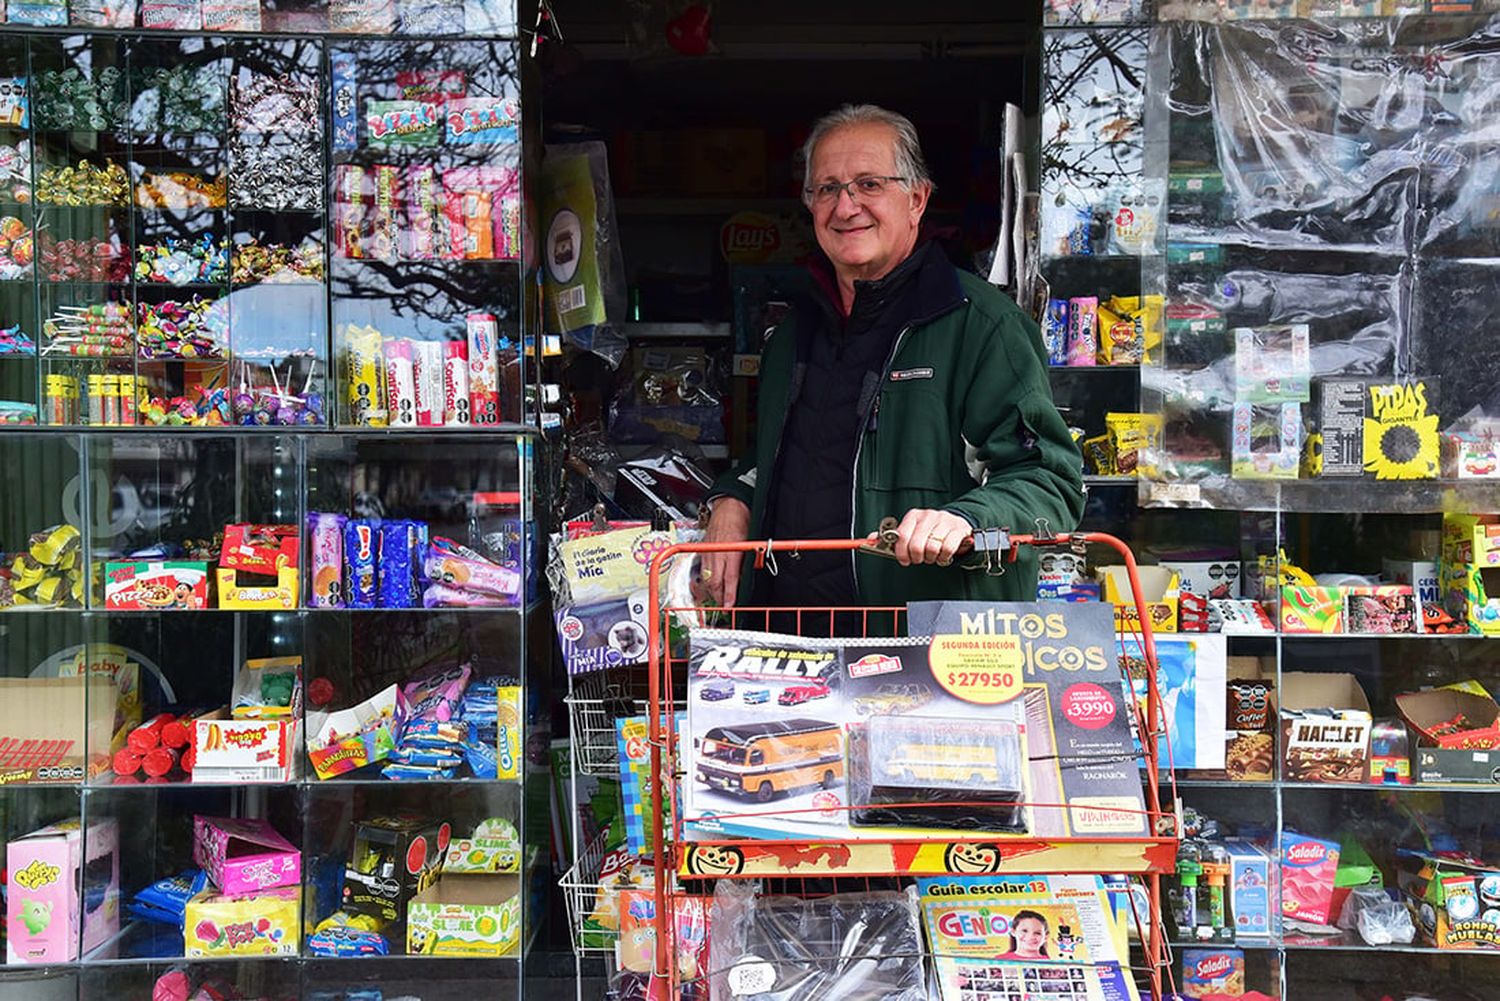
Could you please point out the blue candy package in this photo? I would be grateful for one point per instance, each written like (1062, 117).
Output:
(426, 758)
(1055, 331)
(395, 573)
(416, 773)
(169, 896)
(360, 554)
(344, 941)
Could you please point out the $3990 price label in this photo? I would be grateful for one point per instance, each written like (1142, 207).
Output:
(985, 670)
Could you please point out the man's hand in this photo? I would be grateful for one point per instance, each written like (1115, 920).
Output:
(928, 536)
(730, 522)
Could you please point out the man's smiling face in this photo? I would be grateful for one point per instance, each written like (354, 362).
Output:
(865, 237)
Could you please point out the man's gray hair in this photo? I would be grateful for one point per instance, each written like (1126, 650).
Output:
(909, 162)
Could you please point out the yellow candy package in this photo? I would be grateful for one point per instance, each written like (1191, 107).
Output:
(1130, 435)
(1130, 329)
(366, 369)
(1099, 456)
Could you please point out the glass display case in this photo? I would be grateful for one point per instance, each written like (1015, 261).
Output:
(269, 597)
(1322, 257)
(197, 670)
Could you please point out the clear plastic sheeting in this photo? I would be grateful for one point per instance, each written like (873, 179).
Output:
(844, 947)
(1329, 182)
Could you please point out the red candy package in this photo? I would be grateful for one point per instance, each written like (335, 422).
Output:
(263, 549)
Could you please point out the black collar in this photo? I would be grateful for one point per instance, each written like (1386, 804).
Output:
(937, 289)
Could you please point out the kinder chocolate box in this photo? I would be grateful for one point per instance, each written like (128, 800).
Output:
(264, 923)
(244, 856)
(1309, 867)
(61, 883)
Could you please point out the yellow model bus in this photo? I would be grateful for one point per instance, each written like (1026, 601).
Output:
(945, 764)
(760, 760)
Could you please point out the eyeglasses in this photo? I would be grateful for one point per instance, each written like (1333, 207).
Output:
(861, 189)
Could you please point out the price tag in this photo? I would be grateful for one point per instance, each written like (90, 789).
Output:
(984, 670)
(751, 976)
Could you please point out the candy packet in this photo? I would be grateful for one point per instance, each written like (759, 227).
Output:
(435, 697)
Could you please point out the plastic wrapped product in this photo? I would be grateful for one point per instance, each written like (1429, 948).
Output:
(904, 759)
(844, 947)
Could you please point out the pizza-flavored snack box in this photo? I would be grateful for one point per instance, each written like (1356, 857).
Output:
(1308, 868)
(244, 856)
(156, 585)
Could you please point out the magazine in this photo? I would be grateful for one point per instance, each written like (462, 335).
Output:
(1024, 938)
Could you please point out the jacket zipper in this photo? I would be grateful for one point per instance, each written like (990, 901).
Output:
(859, 441)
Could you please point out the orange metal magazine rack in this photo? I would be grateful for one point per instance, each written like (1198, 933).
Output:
(688, 862)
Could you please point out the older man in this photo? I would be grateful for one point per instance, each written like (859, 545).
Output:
(909, 389)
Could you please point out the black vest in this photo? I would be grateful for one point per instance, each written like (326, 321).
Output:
(840, 364)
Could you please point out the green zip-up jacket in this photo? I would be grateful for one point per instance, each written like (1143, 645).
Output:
(963, 420)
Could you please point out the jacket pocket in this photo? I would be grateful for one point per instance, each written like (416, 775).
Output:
(910, 440)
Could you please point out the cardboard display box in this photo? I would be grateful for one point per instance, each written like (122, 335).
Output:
(263, 923)
(1420, 575)
(1257, 912)
(281, 596)
(1312, 609)
(57, 892)
(393, 859)
(1382, 610)
(1161, 587)
(494, 847)
(1470, 571)
(1210, 578)
(1448, 898)
(1250, 720)
(349, 739)
(45, 722)
(1325, 728)
(156, 585)
(1467, 756)
(244, 856)
(465, 916)
(250, 744)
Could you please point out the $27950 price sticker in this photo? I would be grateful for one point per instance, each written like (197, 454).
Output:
(985, 670)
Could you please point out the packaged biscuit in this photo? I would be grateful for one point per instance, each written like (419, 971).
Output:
(1083, 330)
(1055, 331)
(366, 376)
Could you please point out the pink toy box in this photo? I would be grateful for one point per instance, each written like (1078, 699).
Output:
(61, 882)
(244, 856)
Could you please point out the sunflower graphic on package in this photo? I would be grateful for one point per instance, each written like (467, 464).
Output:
(1400, 432)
